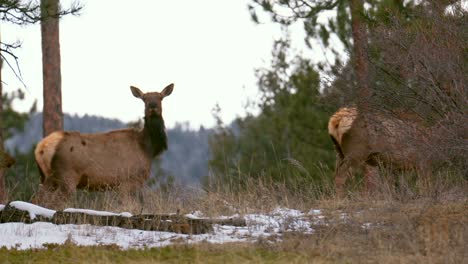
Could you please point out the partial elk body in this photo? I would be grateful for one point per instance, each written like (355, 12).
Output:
(6, 161)
(117, 159)
(364, 143)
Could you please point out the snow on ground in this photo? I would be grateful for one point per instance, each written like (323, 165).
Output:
(33, 210)
(94, 212)
(39, 234)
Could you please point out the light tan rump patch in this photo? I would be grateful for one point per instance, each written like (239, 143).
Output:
(45, 151)
(341, 122)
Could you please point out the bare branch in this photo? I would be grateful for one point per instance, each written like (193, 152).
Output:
(25, 13)
(29, 12)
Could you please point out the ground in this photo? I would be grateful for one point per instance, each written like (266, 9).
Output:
(423, 230)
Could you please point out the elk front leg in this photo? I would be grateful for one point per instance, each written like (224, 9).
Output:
(371, 175)
(424, 177)
(341, 175)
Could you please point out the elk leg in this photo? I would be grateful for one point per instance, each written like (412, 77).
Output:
(54, 192)
(45, 195)
(371, 174)
(45, 190)
(424, 177)
(66, 191)
(124, 194)
(341, 175)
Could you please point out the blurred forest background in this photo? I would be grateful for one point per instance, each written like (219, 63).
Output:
(417, 53)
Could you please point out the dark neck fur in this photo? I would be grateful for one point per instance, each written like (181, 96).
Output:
(154, 133)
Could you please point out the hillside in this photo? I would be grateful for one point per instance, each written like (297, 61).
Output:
(186, 159)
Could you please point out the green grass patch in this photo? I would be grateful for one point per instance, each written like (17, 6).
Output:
(204, 253)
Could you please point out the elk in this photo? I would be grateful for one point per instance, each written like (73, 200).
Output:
(364, 143)
(120, 159)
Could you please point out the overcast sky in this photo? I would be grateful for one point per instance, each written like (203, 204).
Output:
(207, 48)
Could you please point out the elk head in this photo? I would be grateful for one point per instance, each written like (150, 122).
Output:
(152, 100)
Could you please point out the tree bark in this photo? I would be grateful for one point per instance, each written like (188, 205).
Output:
(360, 50)
(52, 80)
(361, 69)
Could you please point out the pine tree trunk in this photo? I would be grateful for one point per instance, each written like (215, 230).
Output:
(360, 50)
(52, 80)
(361, 69)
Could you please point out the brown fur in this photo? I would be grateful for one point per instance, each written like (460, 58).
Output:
(116, 159)
(362, 144)
(6, 161)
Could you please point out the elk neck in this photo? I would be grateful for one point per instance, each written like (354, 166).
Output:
(154, 135)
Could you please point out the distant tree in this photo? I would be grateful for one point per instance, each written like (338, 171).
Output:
(347, 20)
(285, 142)
(13, 122)
(10, 121)
(5, 161)
(6, 115)
(351, 24)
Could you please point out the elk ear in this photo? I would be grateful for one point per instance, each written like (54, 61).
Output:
(168, 90)
(136, 92)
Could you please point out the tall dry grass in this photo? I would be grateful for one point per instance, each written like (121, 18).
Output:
(262, 195)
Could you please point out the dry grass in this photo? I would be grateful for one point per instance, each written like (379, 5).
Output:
(261, 197)
(382, 232)
(258, 197)
(352, 231)
(401, 223)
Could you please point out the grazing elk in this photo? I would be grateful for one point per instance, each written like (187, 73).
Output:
(363, 143)
(118, 159)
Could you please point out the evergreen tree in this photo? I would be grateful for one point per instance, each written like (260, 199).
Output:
(12, 122)
(286, 142)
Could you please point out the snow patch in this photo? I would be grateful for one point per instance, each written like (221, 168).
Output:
(94, 212)
(33, 209)
(1, 207)
(280, 220)
(36, 235)
(314, 212)
(195, 215)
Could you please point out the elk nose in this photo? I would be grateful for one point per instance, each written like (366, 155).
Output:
(152, 105)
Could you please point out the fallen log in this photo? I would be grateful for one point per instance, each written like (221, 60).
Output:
(167, 223)
(159, 222)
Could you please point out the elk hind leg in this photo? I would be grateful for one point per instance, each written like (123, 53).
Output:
(424, 177)
(55, 191)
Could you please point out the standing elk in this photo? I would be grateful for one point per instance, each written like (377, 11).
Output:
(364, 143)
(118, 159)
